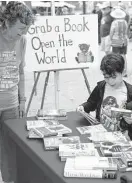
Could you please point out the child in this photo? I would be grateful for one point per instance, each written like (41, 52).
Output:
(118, 34)
(113, 91)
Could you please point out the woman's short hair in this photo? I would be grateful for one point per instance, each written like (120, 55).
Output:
(15, 10)
(112, 63)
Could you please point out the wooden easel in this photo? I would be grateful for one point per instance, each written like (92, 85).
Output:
(56, 84)
(56, 79)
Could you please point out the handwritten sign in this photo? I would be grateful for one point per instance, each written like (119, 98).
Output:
(62, 42)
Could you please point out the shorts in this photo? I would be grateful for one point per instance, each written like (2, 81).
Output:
(121, 50)
(105, 44)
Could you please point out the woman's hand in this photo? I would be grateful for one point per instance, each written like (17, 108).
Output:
(22, 109)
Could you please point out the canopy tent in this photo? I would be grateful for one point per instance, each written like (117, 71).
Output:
(48, 4)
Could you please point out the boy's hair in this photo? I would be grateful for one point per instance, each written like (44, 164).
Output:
(112, 63)
(15, 10)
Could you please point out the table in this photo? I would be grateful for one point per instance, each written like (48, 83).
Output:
(34, 164)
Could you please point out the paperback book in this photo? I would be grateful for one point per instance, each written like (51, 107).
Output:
(116, 112)
(40, 123)
(33, 135)
(71, 171)
(52, 114)
(106, 136)
(52, 130)
(54, 142)
(89, 117)
(84, 149)
(94, 162)
(115, 148)
(90, 129)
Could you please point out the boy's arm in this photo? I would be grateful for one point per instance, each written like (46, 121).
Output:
(92, 101)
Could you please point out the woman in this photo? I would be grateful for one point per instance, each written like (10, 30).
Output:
(118, 34)
(15, 20)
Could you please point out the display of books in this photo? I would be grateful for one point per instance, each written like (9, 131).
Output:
(71, 171)
(52, 130)
(89, 117)
(115, 148)
(106, 136)
(54, 142)
(94, 162)
(40, 123)
(60, 114)
(115, 112)
(84, 149)
(90, 129)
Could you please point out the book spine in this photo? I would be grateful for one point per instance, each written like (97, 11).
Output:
(84, 174)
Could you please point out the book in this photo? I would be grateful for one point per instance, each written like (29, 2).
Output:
(70, 171)
(79, 149)
(89, 117)
(94, 162)
(90, 129)
(44, 132)
(116, 112)
(40, 123)
(52, 114)
(54, 142)
(115, 148)
(52, 130)
(127, 158)
(106, 136)
(33, 135)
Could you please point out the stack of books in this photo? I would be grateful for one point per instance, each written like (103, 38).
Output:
(60, 114)
(89, 117)
(79, 149)
(52, 143)
(90, 167)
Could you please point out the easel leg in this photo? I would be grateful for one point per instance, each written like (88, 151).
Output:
(34, 75)
(44, 90)
(32, 93)
(86, 81)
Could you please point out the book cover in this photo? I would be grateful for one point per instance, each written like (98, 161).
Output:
(106, 136)
(127, 158)
(54, 142)
(70, 171)
(78, 149)
(33, 135)
(59, 129)
(44, 132)
(40, 123)
(116, 112)
(90, 129)
(95, 162)
(115, 148)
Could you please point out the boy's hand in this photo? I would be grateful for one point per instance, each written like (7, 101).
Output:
(22, 109)
(128, 119)
(80, 108)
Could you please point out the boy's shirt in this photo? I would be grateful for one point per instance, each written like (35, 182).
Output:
(112, 98)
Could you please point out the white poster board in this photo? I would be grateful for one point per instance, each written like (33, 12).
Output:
(62, 42)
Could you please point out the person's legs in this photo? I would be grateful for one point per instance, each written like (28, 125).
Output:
(8, 148)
